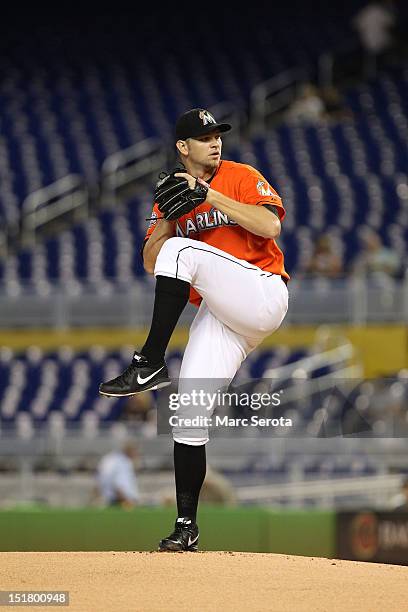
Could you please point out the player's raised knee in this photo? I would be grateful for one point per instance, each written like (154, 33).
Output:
(172, 247)
(173, 258)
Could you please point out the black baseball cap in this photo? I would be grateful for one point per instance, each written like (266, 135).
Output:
(198, 122)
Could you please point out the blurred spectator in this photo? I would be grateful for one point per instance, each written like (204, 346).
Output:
(137, 407)
(324, 262)
(140, 410)
(116, 477)
(217, 489)
(334, 106)
(376, 261)
(308, 107)
(400, 501)
(375, 25)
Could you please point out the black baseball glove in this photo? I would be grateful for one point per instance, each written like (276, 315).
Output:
(175, 198)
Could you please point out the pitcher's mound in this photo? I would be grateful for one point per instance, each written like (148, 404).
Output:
(141, 581)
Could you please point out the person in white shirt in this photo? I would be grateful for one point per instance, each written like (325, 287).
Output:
(308, 108)
(116, 477)
(374, 24)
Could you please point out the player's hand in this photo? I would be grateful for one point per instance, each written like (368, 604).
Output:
(178, 193)
(191, 180)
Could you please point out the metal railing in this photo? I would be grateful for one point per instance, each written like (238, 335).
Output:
(75, 489)
(354, 300)
(51, 202)
(336, 357)
(98, 304)
(125, 167)
(377, 489)
(344, 368)
(272, 96)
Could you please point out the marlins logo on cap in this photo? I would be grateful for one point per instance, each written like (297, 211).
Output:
(206, 117)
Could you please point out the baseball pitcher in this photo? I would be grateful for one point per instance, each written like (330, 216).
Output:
(211, 240)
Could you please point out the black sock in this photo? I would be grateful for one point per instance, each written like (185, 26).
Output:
(171, 297)
(189, 468)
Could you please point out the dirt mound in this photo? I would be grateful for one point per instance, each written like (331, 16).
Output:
(142, 581)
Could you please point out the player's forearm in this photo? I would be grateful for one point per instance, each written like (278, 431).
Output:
(162, 232)
(256, 219)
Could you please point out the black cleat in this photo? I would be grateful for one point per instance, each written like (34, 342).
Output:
(139, 376)
(184, 537)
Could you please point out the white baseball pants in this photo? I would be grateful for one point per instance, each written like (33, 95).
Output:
(242, 304)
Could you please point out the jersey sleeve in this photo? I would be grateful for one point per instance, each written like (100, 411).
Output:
(156, 214)
(255, 189)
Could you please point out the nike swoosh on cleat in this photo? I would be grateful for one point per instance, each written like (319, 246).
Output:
(190, 542)
(142, 381)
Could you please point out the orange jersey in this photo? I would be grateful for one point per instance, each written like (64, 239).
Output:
(205, 223)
